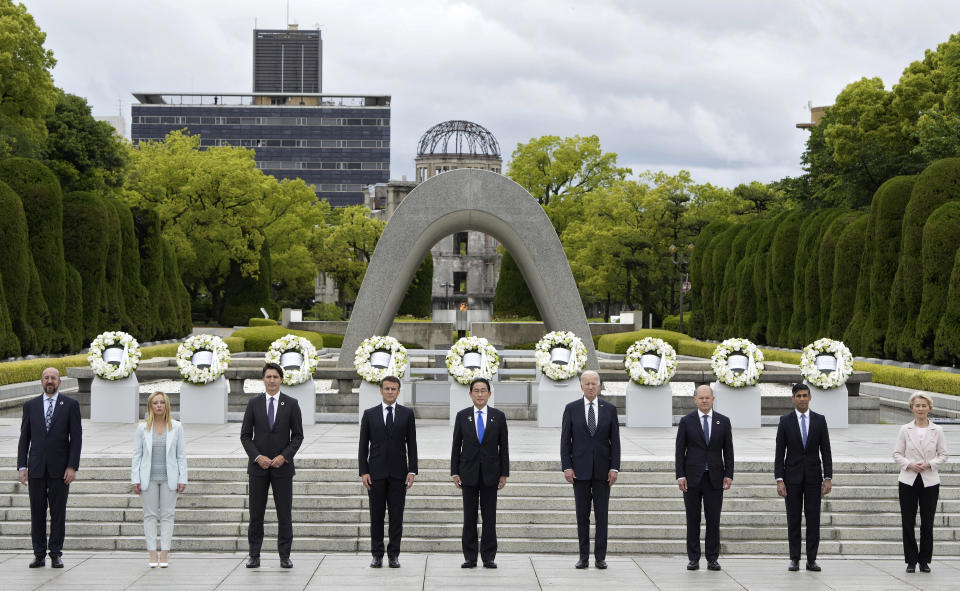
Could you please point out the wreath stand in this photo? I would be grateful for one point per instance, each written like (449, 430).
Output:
(649, 406)
(460, 398)
(740, 405)
(551, 397)
(306, 396)
(832, 404)
(204, 403)
(370, 393)
(115, 401)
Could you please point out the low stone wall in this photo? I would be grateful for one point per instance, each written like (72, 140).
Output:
(429, 335)
(518, 333)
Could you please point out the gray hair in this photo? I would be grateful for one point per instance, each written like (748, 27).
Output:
(921, 396)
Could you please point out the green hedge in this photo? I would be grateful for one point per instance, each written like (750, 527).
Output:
(783, 257)
(136, 300)
(9, 344)
(85, 247)
(335, 341)
(846, 272)
(702, 295)
(74, 308)
(512, 296)
(621, 341)
(244, 296)
(418, 299)
(259, 338)
(114, 314)
(15, 267)
(941, 236)
(947, 343)
(262, 322)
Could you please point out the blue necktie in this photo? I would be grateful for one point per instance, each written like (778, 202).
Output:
(270, 414)
(480, 426)
(706, 428)
(803, 429)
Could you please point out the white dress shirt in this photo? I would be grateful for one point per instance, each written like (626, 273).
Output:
(276, 404)
(384, 406)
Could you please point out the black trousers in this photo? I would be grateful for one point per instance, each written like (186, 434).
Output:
(803, 498)
(283, 499)
(383, 494)
(597, 493)
(910, 498)
(487, 498)
(46, 491)
(711, 499)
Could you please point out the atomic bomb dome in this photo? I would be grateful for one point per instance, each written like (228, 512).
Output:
(456, 144)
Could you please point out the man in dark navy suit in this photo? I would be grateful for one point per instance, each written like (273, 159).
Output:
(802, 440)
(704, 466)
(48, 458)
(590, 458)
(388, 437)
(479, 466)
(271, 434)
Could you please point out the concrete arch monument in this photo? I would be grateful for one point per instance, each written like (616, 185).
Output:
(467, 199)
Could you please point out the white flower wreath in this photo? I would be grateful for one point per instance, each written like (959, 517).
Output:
(202, 342)
(372, 374)
(725, 375)
(833, 379)
(566, 340)
(489, 360)
(129, 360)
(666, 369)
(294, 344)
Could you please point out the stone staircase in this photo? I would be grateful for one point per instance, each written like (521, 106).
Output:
(535, 511)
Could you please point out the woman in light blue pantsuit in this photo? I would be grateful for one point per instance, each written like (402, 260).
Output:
(158, 473)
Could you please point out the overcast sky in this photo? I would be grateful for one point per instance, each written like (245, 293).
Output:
(712, 87)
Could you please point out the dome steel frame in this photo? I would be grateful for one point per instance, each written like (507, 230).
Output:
(457, 137)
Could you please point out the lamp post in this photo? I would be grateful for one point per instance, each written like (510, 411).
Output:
(679, 258)
(446, 294)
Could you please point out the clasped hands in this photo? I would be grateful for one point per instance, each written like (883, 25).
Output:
(918, 466)
(266, 463)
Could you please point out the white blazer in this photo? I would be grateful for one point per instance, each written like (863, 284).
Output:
(143, 450)
(909, 450)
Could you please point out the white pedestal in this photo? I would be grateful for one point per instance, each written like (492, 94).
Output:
(205, 404)
(552, 397)
(460, 399)
(740, 405)
(370, 396)
(832, 404)
(306, 395)
(115, 401)
(649, 406)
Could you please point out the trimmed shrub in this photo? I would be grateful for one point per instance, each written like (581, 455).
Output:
(419, 297)
(896, 319)
(938, 183)
(244, 296)
(259, 338)
(941, 236)
(783, 257)
(512, 296)
(178, 292)
(619, 342)
(695, 348)
(947, 341)
(85, 247)
(113, 312)
(325, 311)
(847, 257)
(761, 279)
(136, 300)
(262, 322)
(721, 247)
(74, 307)
(42, 200)
(146, 222)
(701, 296)
(15, 263)
(853, 334)
(807, 247)
(38, 315)
(335, 341)
(888, 206)
(9, 344)
(672, 323)
(826, 265)
(812, 304)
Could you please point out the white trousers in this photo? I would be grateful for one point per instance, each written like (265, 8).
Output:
(158, 503)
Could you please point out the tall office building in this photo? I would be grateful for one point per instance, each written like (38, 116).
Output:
(287, 60)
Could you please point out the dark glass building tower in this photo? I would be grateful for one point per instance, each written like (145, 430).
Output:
(287, 60)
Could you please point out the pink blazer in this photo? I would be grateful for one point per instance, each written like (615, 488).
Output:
(909, 450)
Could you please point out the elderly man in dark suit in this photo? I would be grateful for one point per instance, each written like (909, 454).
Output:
(590, 458)
(479, 466)
(802, 441)
(48, 458)
(388, 438)
(704, 466)
(271, 434)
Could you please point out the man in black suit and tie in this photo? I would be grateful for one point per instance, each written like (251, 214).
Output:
(271, 434)
(802, 440)
(388, 437)
(704, 467)
(480, 465)
(590, 458)
(48, 458)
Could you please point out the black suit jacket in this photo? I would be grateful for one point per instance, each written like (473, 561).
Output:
(384, 454)
(591, 457)
(693, 453)
(284, 439)
(41, 451)
(792, 462)
(480, 463)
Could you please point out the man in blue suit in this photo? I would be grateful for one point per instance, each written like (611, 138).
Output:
(590, 458)
(48, 458)
(802, 440)
(704, 466)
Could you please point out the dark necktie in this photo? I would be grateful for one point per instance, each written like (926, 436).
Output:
(270, 414)
(706, 428)
(480, 426)
(48, 418)
(389, 418)
(803, 429)
(591, 421)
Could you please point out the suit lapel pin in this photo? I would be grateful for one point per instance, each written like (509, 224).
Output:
(470, 418)
(718, 422)
(282, 403)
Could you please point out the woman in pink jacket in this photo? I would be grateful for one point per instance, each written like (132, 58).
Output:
(920, 449)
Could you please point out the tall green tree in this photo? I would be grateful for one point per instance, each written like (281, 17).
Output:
(83, 152)
(351, 238)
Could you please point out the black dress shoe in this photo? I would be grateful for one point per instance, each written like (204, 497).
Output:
(794, 566)
(601, 564)
(253, 562)
(38, 562)
(713, 565)
(813, 566)
(911, 568)
(377, 562)
(489, 564)
(286, 562)
(582, 564)
(394, 562)
(468, 564)
(693, 565)
(55, 562)
(924, 568)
